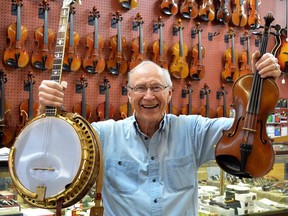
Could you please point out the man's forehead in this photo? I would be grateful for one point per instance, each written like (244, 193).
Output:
(147, 73)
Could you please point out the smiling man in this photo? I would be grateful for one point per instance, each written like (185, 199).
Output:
(151, 158)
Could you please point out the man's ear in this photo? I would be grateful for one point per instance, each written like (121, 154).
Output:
(129, 96)
(170, 95)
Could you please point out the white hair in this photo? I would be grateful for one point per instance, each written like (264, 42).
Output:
(160, 69)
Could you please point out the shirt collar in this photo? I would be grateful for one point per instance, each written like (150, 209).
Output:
(162, 124)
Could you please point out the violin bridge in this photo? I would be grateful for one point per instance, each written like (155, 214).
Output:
(40, 191)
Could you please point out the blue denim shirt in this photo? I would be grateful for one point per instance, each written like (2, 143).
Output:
(157, 175)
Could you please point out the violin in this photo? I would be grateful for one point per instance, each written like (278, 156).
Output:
(93, 62)
(230, 72)
(222, 111)
(126, 109)
(169, 7)
(42, 58)
(117, 63)
(129, 4)
(223, 14)
(207, 10)
(239, 18)
(189, 9)
(160, 47)
(179, 67)
(71, 61)
(197, 70)
(254, 19)
(245, 62)
(206, 110)
(245, 150)
(28, 108)
(6, 131)
(83, 108)
(170, 108)
(105, 110)
(139, 44)
(15, 55)
(188, 109)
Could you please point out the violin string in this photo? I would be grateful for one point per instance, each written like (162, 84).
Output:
(256, 92)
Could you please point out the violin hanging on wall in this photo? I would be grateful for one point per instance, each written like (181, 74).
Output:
(245, 150)
(179, 67)
(128, 4)
(207, 10)
(83, 108)
(28, 108)
(230, 72)
(71, 61)
(239, 18)
(126, 109)
(170, 108)
(223, 110)
(188, 109)
(6, 131)
(15, 55)
(245, 62)
(105, 110)
(160, 47)
(206, 110)
(189, 9)
(254, 19)
(223, 14)
(93, 62)
(42, 58)
(197, 69)
(139, 44)
(117, 63)
(169, 7)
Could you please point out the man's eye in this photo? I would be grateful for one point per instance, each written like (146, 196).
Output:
(156, 88)
(140, 88)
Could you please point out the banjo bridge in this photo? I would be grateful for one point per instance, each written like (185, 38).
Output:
(44, 169)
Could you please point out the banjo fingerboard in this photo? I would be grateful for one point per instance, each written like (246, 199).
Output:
(59, 53)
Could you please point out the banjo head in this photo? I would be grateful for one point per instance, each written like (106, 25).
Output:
(55, 158)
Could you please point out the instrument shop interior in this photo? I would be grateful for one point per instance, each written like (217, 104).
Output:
(205, 44)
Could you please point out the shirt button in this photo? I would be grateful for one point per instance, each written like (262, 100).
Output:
(152, 158)
(155, 200)
(120, 163)
(146, 138)
(153, 180)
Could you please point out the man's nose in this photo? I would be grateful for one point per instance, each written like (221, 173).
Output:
(149, 93)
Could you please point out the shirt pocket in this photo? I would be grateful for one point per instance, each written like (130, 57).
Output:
(181, 172)
(122, 176)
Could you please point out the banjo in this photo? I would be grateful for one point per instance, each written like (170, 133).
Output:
(56, 159)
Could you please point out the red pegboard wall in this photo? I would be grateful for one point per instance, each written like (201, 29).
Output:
(150, 10)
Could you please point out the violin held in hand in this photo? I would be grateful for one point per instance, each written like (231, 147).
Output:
(245, 150)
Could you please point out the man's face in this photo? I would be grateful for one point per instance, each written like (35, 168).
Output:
(149, 94)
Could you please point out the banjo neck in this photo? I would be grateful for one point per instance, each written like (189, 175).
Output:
(59, 53)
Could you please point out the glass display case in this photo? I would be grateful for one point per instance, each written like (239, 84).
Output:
(223, 194)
